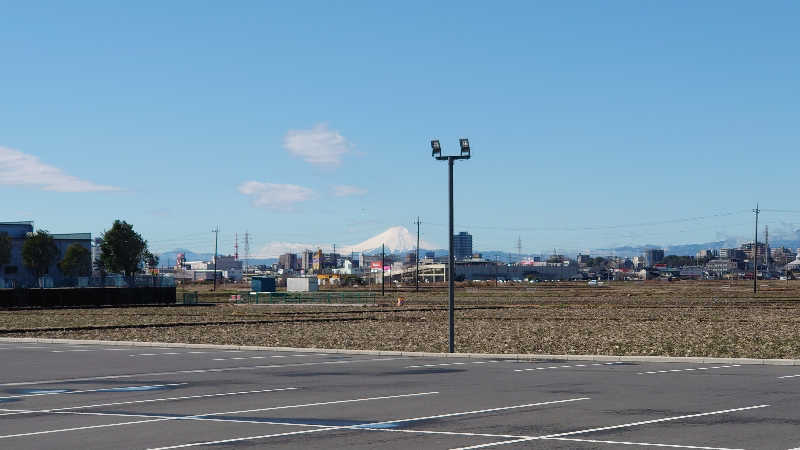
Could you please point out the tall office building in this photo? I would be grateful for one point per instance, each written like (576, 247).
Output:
(462, 245)
(653, 256)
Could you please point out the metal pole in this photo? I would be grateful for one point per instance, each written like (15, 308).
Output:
(417, 272)
(755, 254)
(216, 241)
(383, 264)
(451, 266)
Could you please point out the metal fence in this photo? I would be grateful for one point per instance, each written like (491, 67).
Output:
(307, 297)
(112, 280)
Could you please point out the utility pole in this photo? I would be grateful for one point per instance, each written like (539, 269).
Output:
(216, 242)
(766, 247)
(519, 247)
(496, 263)
(383, 265)
(335, 259)
(755, 254)
(416, 274)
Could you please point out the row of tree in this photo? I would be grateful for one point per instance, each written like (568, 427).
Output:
(122, 250)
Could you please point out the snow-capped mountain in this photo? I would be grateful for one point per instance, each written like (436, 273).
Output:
(396, 239)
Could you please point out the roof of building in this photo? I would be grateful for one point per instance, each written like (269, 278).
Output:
(73, 236)
(21, 222)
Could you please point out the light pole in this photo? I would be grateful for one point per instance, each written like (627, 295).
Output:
(465, 154)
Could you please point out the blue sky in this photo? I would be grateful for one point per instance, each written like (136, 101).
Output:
(309, 122)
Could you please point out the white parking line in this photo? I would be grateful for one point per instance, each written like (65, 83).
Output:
(150, 400)
(366, 426)
(653, 372)
(176, 372)
(566, 367)
(642, 444)
(132, 388)
(612, 427)
(210, 415)
(791, 376)
(448, 364)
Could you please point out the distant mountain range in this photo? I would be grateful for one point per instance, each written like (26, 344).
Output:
(169, 258)
(399, 240)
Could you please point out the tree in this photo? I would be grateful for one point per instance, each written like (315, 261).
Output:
(39, 251)
(122, 249)
(77, 261)
(150, 260)
(5, 249)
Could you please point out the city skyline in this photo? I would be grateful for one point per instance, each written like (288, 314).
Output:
(591, 127)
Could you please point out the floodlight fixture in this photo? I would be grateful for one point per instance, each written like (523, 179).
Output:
(464, 144)
(436, 148)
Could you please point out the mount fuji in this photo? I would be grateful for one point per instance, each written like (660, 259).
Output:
(396, 239)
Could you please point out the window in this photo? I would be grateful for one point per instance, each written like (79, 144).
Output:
(10, 270)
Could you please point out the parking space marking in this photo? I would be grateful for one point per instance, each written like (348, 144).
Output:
(448, 364)
(86, 391)
(370, 426)
(790, 376)
(255, 357)
(177, 372)
(612, 427)
(206, 416)
(149, 400)
(530, 369)
(642, 444)
(654, 372)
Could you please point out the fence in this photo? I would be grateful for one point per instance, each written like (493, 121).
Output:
(307, 297)
(70, 297)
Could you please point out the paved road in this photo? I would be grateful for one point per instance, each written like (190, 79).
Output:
(56, 396)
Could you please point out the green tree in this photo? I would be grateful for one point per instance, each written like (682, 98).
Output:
(150, 260)
(122, 249)
(39, 251)
(5, 249)
(77, 261)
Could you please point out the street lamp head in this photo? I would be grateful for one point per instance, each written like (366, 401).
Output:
(436, 148)
(464, 143)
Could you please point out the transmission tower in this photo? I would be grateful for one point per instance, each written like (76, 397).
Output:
(236, 246)
(519, 247)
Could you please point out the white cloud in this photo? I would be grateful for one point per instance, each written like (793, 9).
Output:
(319, 145)
(275, 196)
(21, 169)
(348, 191)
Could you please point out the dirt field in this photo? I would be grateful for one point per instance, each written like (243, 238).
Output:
(652, 318)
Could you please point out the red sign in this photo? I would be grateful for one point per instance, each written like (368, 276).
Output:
(375, 265)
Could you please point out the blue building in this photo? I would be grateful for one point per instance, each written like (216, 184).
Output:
(15, 274)
(462, 245)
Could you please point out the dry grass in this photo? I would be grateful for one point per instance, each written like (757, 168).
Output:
(671, 319)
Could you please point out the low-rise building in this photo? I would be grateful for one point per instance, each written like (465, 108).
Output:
(15, 274)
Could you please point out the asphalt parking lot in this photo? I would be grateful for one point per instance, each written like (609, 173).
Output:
(56, 396)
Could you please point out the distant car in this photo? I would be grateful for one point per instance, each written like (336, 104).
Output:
(592, 282)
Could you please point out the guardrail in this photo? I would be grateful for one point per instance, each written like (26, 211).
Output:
(307, 297)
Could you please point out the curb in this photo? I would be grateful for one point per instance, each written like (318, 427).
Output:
(511, 356)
